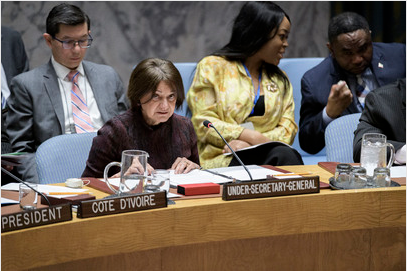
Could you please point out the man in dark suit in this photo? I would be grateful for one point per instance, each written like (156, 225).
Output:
(384, 113)
(13, 56)
(42, 102)
(14, 61)
(340, 83)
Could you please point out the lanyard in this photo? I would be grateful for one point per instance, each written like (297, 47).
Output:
(258, 89)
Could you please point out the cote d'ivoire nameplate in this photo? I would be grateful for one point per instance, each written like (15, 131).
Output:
(36, 217)
(136, 202)
(270, 188)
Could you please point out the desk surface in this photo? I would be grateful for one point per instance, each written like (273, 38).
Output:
(356, 230)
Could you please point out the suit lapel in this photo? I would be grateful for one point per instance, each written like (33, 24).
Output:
(98, 88)
(379, 66)
(52, 88)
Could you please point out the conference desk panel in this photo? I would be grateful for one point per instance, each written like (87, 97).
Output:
(332, 230)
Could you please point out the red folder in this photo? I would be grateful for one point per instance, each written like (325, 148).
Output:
(198, 189)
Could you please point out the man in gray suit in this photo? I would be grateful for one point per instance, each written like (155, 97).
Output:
(40, 105)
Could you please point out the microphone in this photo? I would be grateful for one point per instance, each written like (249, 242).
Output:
(21, 181)
(208, 124)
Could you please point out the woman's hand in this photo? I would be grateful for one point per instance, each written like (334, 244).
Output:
(183, 165)
(236, 145)
(253, 137)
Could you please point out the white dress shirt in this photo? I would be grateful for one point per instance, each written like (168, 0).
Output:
(400, 158)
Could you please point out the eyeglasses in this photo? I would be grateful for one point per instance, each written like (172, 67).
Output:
(69, 44)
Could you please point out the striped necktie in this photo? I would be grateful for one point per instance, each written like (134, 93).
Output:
(361, 90)
(80, 111)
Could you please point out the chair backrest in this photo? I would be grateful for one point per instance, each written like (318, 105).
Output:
(187, 71)
(295, 69)
(62, 157)
(339, 136)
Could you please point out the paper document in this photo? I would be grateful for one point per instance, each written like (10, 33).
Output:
(12, 159)
(236, 172)
(5, 201)
(44, 188)
(398, 171)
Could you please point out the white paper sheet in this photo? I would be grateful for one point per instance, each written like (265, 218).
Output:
(237, 172)
(5, 201)
(44, 188)
(398, 171)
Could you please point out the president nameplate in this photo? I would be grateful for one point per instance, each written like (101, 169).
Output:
(271, 188)
(132, 203)
(36, 217)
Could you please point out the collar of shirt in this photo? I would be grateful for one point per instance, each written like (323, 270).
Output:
(63, 71)
(367, 75)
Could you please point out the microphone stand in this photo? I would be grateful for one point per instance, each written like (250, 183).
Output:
(233, 152)
(21, 181)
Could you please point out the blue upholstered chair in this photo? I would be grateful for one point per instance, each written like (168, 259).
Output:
(187, 71)
(295, 69)
(339, 136)
(62, 157)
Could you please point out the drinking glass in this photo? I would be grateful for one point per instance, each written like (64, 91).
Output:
(358, 177)
(28, 197)
(374, 152)
(342, 175)
(381, 177)
(159, 181)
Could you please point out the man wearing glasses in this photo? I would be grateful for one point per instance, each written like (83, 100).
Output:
(66, 95)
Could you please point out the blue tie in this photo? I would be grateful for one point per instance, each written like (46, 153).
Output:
(361, 90)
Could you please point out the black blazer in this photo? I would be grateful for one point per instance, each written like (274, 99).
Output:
(13, 56)
(384, 113)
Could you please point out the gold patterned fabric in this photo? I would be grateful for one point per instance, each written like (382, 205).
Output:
(222, 93)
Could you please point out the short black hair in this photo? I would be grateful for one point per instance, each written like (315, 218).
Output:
(345, 23)
(65, 14)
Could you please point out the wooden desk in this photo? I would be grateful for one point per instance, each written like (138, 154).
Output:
(332, 230)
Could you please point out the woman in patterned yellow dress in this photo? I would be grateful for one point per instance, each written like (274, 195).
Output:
(245, 95)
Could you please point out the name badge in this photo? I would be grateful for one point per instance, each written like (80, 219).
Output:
(271, 188)
(136, 202)
(36, 217)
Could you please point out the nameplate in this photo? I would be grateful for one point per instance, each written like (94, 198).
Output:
(36, 217)
(132, 203)
(271, 188)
